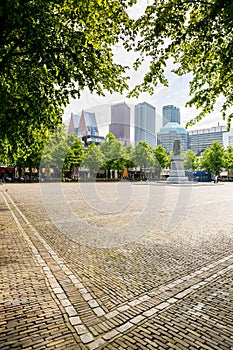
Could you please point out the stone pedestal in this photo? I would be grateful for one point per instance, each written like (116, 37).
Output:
(177, 174)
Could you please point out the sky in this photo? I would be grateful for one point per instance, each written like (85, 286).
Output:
(176, 94)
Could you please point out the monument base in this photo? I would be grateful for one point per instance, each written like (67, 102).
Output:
(177, 173)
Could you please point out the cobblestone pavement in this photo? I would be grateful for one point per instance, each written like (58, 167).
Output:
(168, 288)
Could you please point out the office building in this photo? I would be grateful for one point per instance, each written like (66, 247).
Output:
(145, 124)
(120, 122)
(171, 114)
(228, 138)
(199, 140)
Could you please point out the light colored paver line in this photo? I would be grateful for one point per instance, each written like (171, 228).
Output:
(169, 286)
(158, 308)
(72, 314)
(76, 282)
(191, 275)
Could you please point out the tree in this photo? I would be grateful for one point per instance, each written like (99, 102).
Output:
(94, 159)
(143, 156)
(5, 155)
(197, 37)
(62, 151)
(56, 149)
(213, 158)
(114, 153)
(161, 159)
(27, 151)
(129, 152)
(75, 154)
(228, 164)
(190, 160)
(51, 50)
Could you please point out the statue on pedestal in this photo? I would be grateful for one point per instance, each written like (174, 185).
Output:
(176, 147)
(177, 173)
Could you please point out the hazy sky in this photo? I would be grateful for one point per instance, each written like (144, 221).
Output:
(177, 93)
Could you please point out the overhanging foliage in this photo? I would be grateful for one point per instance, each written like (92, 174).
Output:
(197, 36)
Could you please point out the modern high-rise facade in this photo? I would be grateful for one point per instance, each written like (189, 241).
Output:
(199, 140)
(120, 122)
(145, 124)
(171, 114)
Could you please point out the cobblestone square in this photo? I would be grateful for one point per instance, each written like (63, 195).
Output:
(116, 266)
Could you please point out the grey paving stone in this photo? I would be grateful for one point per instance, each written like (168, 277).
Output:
(75, 320)
(99, 311)
(86, 338)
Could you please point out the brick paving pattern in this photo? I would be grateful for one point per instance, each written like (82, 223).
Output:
(164, 290)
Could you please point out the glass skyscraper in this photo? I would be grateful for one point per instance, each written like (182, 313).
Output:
(171, 114)
(145, 124)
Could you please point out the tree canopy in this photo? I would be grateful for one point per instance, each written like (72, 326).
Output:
(51, 50)
(197, 36)
(94, 158)
(229, 158)
(75, 154)
(161, 156)
(190, 160)
(213, 158)
(114, 153)
(143, 155)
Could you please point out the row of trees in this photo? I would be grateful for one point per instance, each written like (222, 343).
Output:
(214, 159)
(112, 155)
(67, 152)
